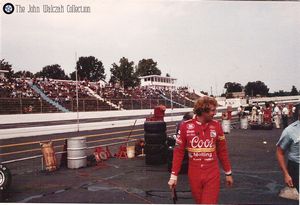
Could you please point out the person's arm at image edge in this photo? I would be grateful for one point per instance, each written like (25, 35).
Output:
(281, 161)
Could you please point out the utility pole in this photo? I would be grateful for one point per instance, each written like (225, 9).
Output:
(77, 91)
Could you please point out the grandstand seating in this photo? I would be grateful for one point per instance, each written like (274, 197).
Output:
(17, 96)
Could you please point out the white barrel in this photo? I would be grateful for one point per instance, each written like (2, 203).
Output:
(77, 152)
(226, 126)
(130, 151)
(244, 123)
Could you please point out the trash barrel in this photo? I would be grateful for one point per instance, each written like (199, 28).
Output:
(226, 126)
(77, 157)
(244, 123)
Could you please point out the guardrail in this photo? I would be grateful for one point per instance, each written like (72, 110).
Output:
(31, 105)
(91, 147)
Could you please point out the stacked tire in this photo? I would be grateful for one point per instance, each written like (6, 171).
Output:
(185, 162)
(155, 142)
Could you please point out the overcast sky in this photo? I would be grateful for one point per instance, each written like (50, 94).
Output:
(201, 43)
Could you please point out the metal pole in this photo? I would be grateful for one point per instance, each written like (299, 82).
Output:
(41, 105)
(42, 163)
(21, 106)
(172, 104)
(77, 92)
(131, 131)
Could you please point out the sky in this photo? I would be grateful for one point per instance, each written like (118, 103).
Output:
(203, 44)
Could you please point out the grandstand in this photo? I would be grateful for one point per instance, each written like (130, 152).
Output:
(42, 95)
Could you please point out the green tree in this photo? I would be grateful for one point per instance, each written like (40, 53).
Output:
(89, 68)
(281, 93)
(52, 71)
(294, 91)
(204, 93)
(233, 87)
(256, 88)
(4, 65)
(124, 73)
(23, 73)
(147, 67)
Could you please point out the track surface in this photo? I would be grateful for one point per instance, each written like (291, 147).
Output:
(252, 154)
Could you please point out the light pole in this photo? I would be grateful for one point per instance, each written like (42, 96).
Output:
(76, 74)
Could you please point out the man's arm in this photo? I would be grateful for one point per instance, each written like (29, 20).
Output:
(222, 154)
(283, 144)
(178, 155)
(280, 157)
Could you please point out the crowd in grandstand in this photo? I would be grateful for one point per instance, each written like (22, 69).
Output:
(61, 90)
(64, 91)
(16, 88)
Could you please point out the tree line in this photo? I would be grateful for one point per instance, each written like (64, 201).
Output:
(126, 73)
(256, 88)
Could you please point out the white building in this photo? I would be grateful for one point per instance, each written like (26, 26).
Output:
(2, 73)
(157, 81)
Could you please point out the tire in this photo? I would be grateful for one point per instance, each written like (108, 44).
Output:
(155, 138)
(169, 166)
(155, 126)
(156, 159)
(155, 154)
(171, 141)
(185, 162)
(170, 154)
(5, 178)
(153, 149)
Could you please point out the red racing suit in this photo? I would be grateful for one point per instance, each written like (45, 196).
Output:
(205, 144)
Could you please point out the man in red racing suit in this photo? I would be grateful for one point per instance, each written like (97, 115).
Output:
(205, 142)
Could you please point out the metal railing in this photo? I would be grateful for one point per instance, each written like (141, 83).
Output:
(31, 105)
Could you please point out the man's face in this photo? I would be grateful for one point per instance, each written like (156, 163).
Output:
(208, 116)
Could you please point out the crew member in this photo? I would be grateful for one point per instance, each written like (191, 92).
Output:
(276, 116)
(289, 143)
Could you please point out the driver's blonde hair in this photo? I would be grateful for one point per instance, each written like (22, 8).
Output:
(203, 104)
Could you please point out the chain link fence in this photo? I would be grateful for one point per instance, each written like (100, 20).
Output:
(29, 105)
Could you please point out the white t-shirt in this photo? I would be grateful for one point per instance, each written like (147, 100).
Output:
(277, 111)
(285, 111)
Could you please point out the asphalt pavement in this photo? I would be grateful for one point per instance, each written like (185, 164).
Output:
(257, 178)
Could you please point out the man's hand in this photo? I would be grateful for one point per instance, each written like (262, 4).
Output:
(172, 183)
(288, 180)
(229, 181)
